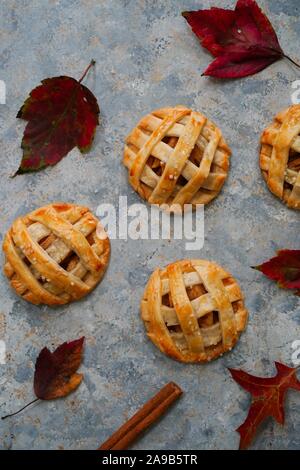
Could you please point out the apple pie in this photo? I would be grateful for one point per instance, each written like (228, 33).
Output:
(54, 256)
(280, 156)
(193, 310)
(176, 156)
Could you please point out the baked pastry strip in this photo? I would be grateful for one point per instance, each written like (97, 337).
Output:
(201, 306)
(145, 151)
(213, 182)
(280, 154)
(177, 159)
(25, 276)
(215, 287)
(151, 122)
(190, 189)
(184, 309)
(159, 332)
(72, 237)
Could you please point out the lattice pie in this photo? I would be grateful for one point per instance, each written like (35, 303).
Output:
(193, 310)
(53, 255)
(176, 156)
(280, 156)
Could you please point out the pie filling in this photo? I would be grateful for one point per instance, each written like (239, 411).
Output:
(294, 160)
(293, 164)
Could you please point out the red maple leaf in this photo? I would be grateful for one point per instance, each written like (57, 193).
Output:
(242, 40)
(62, 114)
(268, 396)
(56, 373)
(283, 268)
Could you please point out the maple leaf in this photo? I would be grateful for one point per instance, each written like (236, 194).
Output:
(56, 373)
(268, 396)
(283, 268)
(62, 114)
(242, 40)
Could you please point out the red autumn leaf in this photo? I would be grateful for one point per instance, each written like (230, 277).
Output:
(56, 373)
(62, 114)
(268, 396)
(242, 40)
(234, 65)
(283, 268)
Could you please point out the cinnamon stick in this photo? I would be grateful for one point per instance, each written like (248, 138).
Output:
(145, 417)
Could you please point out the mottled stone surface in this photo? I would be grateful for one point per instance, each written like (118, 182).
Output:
(146, 57)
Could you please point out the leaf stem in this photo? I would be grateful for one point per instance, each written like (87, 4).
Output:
(26, 406)
(291, 60)
(92, 63)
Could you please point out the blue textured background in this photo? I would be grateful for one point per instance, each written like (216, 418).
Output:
(146, 57)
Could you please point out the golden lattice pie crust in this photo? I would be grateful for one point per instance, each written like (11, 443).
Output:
(176, 156)
(280, 156)
(193, 310)
(53, 255)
